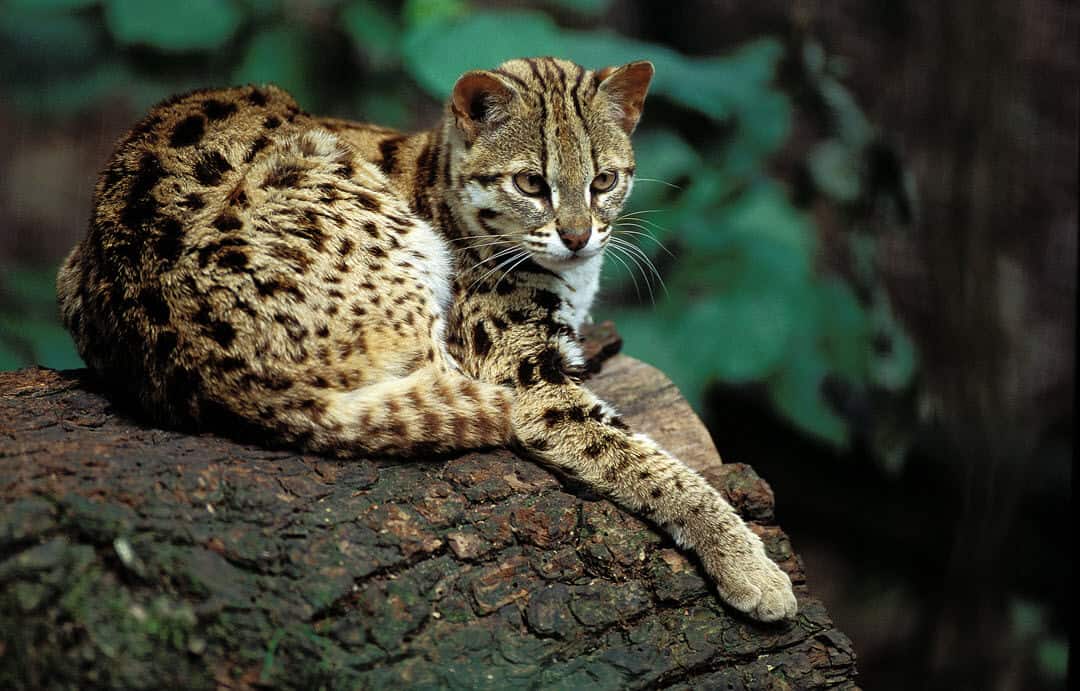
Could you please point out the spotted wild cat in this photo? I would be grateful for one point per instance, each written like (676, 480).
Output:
(348, 289)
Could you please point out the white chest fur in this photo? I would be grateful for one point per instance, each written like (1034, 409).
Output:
(578, 289)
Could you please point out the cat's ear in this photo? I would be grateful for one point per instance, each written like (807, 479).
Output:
(624, 90)
(480, 100)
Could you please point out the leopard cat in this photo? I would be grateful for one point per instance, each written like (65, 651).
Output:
(348, 289)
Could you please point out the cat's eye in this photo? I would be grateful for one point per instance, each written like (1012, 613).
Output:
(605, 181)
(531, 184)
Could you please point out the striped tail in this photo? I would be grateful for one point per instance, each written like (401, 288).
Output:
(429, 410)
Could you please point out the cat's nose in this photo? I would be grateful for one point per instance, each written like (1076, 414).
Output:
(575, 239)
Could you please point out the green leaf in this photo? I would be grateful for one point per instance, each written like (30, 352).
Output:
(9, 359)
(280, 56)
(813, 56)
(650, 337)
(419, 13)
(845, 329)
(834, 168)
(191, 25)
(49, 5)
(589, 8)
(759, 240)
(33, 288)
(437, 52)
(33, 43)
(707, 190)
(663, 159)
(731, 86)
(763, 121)
(384, 107)
(373, 30)
(143, 91)
(765, 213)
(796, 392)
(51, 345)
(72, 94)
(851, 124)
(1027, 619)
(261, 9)
(1053, 655)
(894, 361)
(740, 337)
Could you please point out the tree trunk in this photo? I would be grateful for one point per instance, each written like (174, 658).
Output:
(138, 557)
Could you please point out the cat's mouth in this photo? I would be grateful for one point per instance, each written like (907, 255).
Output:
(564, 262)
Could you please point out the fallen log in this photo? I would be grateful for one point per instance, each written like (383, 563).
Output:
(138, 557)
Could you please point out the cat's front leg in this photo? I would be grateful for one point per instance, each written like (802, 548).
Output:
(567, 426)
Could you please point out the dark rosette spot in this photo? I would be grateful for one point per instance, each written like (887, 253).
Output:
(218, 110)
(188, 131)
(211, 167)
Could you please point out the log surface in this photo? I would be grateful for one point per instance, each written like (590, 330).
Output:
(138, 557)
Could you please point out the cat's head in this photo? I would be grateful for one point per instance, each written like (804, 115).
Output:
(543, 156)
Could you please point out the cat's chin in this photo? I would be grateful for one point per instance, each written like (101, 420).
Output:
(561, 264)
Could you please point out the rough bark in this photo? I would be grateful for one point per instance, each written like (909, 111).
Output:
(138, 557)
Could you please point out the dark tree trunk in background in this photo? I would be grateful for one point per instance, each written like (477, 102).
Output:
(139, 557)
(981, 101)
(979, 162)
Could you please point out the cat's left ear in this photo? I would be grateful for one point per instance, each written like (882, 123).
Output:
(625, 88)
(480, 100)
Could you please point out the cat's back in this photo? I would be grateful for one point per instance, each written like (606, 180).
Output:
(239, 252)
(191, 142)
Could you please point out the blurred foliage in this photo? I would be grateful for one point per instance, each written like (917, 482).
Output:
(30, 331)
(1029, 622)
(745, 300)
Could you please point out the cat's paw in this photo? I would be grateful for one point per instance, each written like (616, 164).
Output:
(749, 580)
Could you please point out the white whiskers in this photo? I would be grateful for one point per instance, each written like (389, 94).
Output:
(641, 260)
(644, 233)
(629, 271)
(517, 255)
(507, 272)
(662, 182)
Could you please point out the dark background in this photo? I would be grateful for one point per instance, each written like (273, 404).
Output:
(869, 281)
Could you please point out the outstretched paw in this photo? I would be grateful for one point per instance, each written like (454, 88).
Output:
(750, 581)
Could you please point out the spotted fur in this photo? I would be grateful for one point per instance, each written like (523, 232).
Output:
(346, 288)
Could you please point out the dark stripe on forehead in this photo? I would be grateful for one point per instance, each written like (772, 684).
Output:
(542, 93)
(558, 109)
(562, 75)
(588, 90)
(536, 71)
(592, 155)
(575, 92)
(564, 87)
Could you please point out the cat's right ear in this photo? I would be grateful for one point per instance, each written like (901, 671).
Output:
(480, 101)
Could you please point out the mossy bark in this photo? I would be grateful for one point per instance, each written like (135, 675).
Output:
(137, 557)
